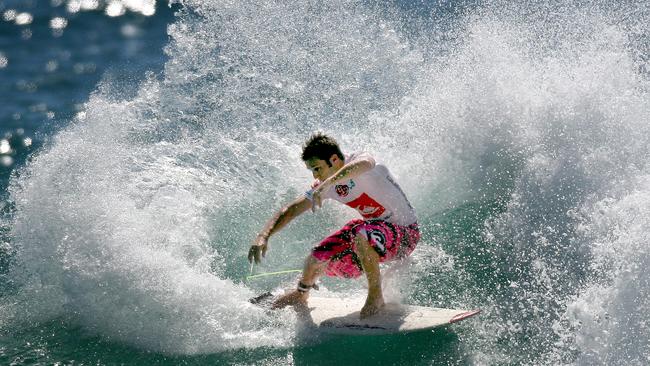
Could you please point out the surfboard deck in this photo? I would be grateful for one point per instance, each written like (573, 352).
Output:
(341, 316)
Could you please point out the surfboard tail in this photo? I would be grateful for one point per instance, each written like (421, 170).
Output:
(264, 300)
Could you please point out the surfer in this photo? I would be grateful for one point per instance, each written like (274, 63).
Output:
(387, 231)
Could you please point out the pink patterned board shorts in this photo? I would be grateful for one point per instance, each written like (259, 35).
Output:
(389, 240)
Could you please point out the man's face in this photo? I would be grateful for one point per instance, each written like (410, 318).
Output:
(320, 169)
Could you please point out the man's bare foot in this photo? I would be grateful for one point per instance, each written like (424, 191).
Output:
(291, 298)
(371, 307)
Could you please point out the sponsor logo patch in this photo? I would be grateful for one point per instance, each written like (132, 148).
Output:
(342, 190)
(367, 207)
(378, 238)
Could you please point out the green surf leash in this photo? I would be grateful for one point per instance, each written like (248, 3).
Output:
(266, 274)
(251, 276)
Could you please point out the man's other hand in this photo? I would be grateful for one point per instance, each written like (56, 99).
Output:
(258, 249)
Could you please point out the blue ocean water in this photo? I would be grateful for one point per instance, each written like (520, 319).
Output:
(53, 54)
(143, 145)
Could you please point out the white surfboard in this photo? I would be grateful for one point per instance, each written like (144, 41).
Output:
(341, 315)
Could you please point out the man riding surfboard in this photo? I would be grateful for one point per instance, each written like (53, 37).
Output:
(386, 231)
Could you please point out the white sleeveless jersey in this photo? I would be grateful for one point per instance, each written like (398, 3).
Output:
(374, 194)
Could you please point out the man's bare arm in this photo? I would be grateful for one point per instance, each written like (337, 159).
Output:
(348, 171)
(284, 216)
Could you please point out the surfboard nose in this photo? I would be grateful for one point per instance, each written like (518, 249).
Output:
(464, 315)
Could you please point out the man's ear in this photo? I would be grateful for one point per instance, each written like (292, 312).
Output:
(333, 159)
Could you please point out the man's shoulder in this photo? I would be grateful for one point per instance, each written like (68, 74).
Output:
(359, 155)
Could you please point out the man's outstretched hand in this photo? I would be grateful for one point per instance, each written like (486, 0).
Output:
(316, 197)
(258, 249)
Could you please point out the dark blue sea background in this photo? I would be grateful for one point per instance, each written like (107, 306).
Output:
(53, 58)
(144, 144)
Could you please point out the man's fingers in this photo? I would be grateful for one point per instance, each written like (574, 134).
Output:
(316, 203)
(258, 257)
(251, 254)
(254, 254)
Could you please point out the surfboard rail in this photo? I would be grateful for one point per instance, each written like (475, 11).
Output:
(341, 315)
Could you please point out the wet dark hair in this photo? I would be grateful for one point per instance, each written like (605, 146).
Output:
(322, 147)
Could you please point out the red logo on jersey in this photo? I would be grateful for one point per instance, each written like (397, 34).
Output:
(367, 207)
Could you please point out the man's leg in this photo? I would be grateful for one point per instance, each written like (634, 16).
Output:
(310, 273)
(370, 263)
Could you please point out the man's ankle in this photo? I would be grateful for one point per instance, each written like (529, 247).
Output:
(375, 293)
(376, 299)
